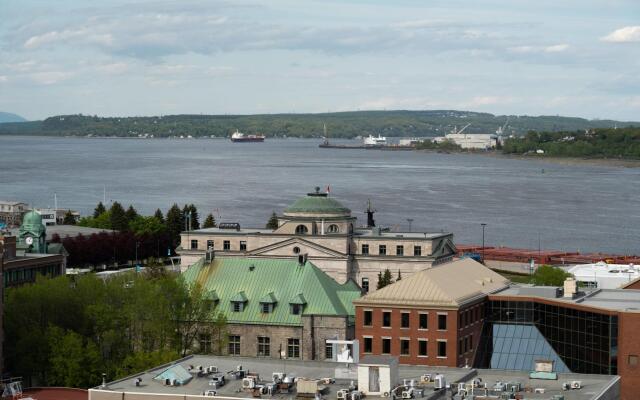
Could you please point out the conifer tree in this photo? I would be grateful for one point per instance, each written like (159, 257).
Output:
(159, 215)
(118, 217)
(131, 213)
(69, 218)
(99, 210)
(273, 221)
(175, 224)
(209, 222)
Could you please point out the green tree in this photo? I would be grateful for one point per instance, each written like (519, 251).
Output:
(158, 214)
(69, 218)
(209, 222)
(175, 224)
(547, 275)
(384, 278)
(131, 213)
(220, 334)
(74, 361)
(191, 215)
(118, 217)
(99, 210)
(273, 221)
(149, 226)
(193, 315)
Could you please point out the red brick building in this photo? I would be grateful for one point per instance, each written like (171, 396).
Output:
(434, 317)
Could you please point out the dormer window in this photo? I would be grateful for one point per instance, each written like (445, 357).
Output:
(238, 302)
(333, 228)
(211, 300)
(267, 303)
(301, 230)
(296, 305)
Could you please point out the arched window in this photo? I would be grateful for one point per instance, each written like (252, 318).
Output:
(333, 228)
(301, 230)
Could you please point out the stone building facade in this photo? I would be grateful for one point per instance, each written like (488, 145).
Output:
(275, 308)
(324, 230)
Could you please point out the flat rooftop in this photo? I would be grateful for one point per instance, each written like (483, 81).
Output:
(608, 299)
(592, 385)
(67, 231)
(359, 232)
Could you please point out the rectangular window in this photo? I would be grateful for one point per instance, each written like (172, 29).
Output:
(633, 360)
(399, 250)
(442, 348)
(368, 318)
(368, 345)
(422, 348)
(461, 346)
(404, 347)
(466, 318)
(209, 244)
(266, 308)
(205, 343)
(365, 249)
(194, 244)
(386, 345)
(365, 285)
(382, 249)
(386, 319)
(238, 306)
(234, 345)
(417, 250)
(442, 322)
(296, 309)
(424, 321)
(264, 346)
(293, 348)
(328, 351)
(404, 319)
(226, 245)
(243, 245)
(470, 343)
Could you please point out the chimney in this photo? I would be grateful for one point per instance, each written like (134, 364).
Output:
(302, 259)
(570, 288)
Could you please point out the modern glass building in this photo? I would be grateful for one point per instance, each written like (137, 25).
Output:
(518, 332)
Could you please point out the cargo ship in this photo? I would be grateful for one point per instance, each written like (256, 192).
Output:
(241, 137)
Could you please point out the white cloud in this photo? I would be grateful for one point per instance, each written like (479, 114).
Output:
(4, 78)
(113, 68)
(556, 48)
(624, 35)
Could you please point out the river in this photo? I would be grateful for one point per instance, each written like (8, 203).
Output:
(524, 203)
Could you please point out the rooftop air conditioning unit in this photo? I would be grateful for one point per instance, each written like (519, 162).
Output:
(576, 384)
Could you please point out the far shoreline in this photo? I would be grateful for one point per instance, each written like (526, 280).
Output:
(571, 161)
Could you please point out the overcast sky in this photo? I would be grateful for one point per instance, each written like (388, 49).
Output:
(117, 58)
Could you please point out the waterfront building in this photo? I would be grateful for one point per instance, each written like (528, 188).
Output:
(55, 216)
(275, 305)
(605, 276)
(11, 212)
(433, 317)
(324, 230)
(473, 141)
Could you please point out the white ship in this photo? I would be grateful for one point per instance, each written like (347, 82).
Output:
(375, 141)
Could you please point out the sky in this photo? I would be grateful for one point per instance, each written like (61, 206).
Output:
(116, 58)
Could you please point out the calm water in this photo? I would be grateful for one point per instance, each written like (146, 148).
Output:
(587, 208)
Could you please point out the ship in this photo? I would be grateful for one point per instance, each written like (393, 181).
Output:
(375, 141)
(241, 137)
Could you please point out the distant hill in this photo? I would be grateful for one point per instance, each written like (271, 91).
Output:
(339, 125)
(9, 117)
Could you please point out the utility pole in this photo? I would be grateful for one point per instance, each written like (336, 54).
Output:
(483, 226)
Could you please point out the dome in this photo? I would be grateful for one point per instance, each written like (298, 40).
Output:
(317, 204)
(32, 218)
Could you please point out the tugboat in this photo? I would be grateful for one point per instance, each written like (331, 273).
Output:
(238, 136)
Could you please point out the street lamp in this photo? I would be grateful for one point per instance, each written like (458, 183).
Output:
(483, 225)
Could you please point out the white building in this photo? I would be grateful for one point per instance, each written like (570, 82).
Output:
(55, 216)
(604, 276)
(470, 141)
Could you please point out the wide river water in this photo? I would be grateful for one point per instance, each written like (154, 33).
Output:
(524, 203)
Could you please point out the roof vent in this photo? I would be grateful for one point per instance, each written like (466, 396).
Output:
(252, 267)
(229, 225)
(302, 259)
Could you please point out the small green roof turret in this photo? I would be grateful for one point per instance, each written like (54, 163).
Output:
(32, 218)
(317, 204)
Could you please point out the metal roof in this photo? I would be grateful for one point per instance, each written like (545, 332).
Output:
(449, 285)
(317, 203)
(282, 281)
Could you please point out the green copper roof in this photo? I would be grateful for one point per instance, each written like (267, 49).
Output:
(298, 299)
(317, 203)
(213, 296)
(235, 279)
(269, 298)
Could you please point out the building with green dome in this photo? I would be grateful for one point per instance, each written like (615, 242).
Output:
(318, 227)
(32, 234)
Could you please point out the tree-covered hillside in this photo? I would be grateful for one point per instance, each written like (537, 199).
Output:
(344, 124)
(621, 143)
